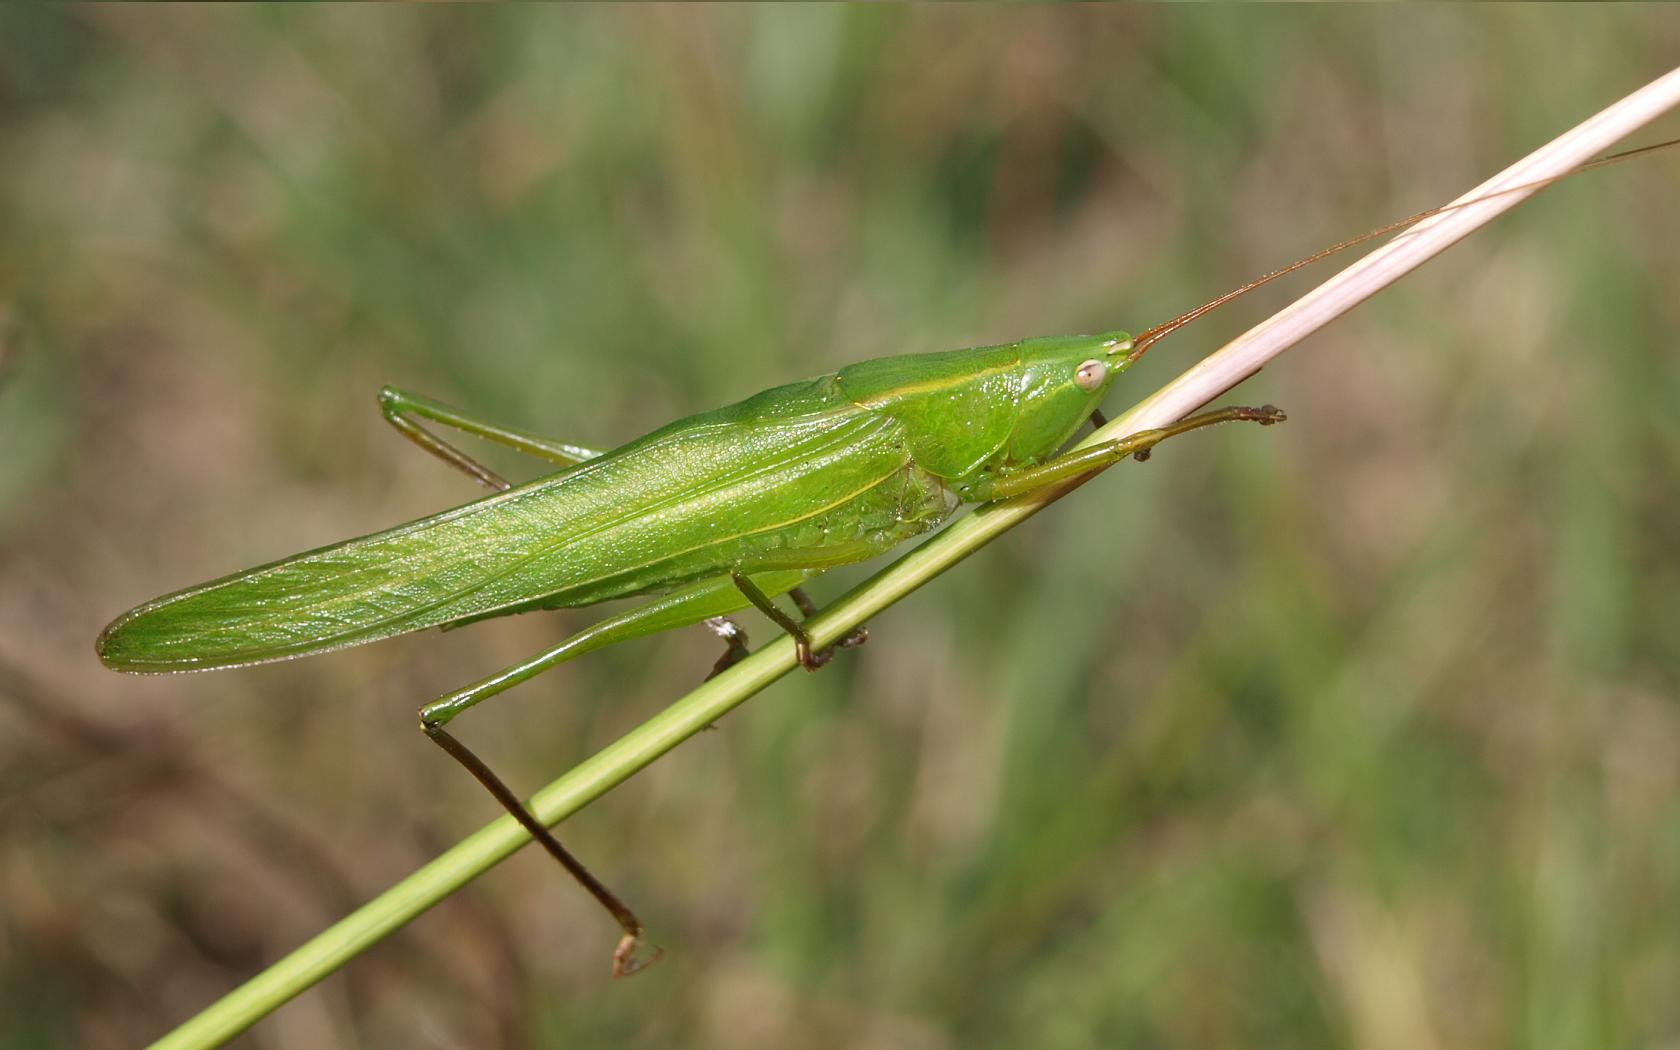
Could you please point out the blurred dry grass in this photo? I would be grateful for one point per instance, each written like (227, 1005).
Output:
(1363, 731)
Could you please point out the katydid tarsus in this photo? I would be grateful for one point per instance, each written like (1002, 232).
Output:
(712, 514)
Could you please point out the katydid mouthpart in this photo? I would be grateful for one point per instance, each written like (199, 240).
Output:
(712, 514)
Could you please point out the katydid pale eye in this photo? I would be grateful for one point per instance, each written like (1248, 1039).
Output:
(1090, 375)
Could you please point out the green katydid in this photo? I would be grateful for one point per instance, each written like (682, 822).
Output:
(712, 514)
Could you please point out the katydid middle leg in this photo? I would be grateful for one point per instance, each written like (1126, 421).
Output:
(809, 658)
(808, 608)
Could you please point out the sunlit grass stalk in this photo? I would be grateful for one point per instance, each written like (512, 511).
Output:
(1208, 379)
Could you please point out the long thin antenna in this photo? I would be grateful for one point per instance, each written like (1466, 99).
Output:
(1144, 340)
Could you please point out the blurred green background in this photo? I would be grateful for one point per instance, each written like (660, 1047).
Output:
(1361, 731)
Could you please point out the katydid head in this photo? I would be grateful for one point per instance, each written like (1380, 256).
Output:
(1063, 380)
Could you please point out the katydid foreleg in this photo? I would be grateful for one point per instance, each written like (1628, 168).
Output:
(1083, 461)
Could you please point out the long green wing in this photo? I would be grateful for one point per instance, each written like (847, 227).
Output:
(666, 509)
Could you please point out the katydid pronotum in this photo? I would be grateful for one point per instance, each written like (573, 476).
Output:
(712, 514)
